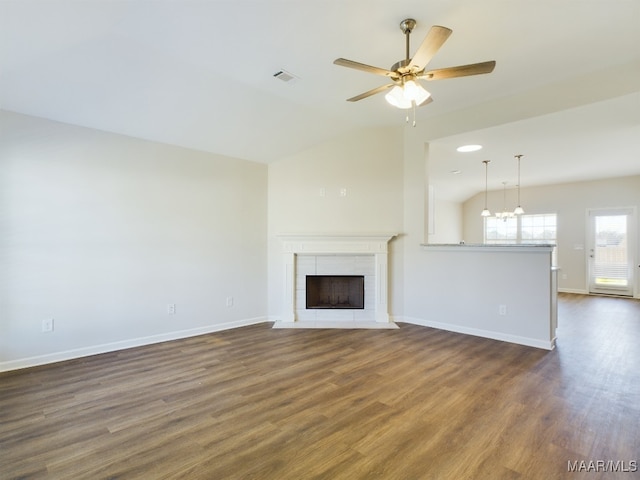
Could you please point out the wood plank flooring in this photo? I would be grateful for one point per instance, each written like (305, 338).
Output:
(413, 403)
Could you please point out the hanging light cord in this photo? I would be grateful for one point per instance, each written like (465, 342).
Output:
(485, 212)
(486, 179)
(518, 157)
(504, 196)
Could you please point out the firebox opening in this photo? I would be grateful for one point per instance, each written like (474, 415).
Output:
(335, 291)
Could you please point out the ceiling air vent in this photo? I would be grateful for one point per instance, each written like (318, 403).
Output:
(285, 76)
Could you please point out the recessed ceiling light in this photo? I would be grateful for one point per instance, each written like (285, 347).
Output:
(469, 148)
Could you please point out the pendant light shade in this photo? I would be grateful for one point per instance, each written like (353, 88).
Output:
(504, 214)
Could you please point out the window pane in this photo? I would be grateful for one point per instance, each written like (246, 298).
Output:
(534, 229)
(501, 231)
(610, 266)
(541, 228)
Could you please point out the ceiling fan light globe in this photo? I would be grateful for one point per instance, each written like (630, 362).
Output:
(396, 98)
(411, 90)
(414, 92)
(422, 96)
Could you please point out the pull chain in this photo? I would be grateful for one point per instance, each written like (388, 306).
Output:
(406, 118)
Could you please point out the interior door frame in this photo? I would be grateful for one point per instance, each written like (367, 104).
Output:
(633, 245)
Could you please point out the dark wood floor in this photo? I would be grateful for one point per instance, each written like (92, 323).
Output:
(413, 403)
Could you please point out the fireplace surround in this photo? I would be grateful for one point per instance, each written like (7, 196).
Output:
(363, 255)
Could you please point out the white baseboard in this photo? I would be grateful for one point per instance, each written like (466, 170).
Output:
(124, 344)
(586, 292)
(505, 337)
(579, 291)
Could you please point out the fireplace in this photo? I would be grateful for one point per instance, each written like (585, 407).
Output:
(363, 256)
(335, 291)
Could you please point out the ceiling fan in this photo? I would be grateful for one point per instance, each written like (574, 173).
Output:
(406, 91)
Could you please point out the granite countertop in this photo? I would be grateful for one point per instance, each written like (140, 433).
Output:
(492, 245)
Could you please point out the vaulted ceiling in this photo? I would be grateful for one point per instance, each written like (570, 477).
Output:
(199, 74)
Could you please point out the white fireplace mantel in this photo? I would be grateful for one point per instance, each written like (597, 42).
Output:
(374, 244)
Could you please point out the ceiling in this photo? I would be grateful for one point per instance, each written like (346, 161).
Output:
(199, 74)
(598, 140)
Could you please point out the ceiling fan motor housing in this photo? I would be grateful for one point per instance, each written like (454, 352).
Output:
(400, 66)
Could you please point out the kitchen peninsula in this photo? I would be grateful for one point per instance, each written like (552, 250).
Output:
(505, 292)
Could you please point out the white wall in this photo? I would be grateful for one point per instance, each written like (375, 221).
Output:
(101, 232)
(570, 201)
(367, 163)
(415, 215)
(447, 222)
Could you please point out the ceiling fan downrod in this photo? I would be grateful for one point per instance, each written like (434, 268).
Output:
(407, 27)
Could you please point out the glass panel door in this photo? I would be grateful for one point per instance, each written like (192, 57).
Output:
(610, 262)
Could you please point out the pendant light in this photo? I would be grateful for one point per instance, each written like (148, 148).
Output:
(519, 210)
(486, 212)
(504, 214)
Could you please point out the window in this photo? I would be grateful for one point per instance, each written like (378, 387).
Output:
(538, 228)
(498, 230)
(522, 229)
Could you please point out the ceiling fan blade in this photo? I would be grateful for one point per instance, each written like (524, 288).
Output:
(430, 46)
(460, 71)
(343, 62)
(370, 92)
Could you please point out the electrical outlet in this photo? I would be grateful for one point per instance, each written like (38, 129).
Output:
(47, 325)
(323, 192)
(343, 192)
(171, 308)
(502, 309)
(229, 301)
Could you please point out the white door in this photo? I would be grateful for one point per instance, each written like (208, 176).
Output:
(610, 260)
